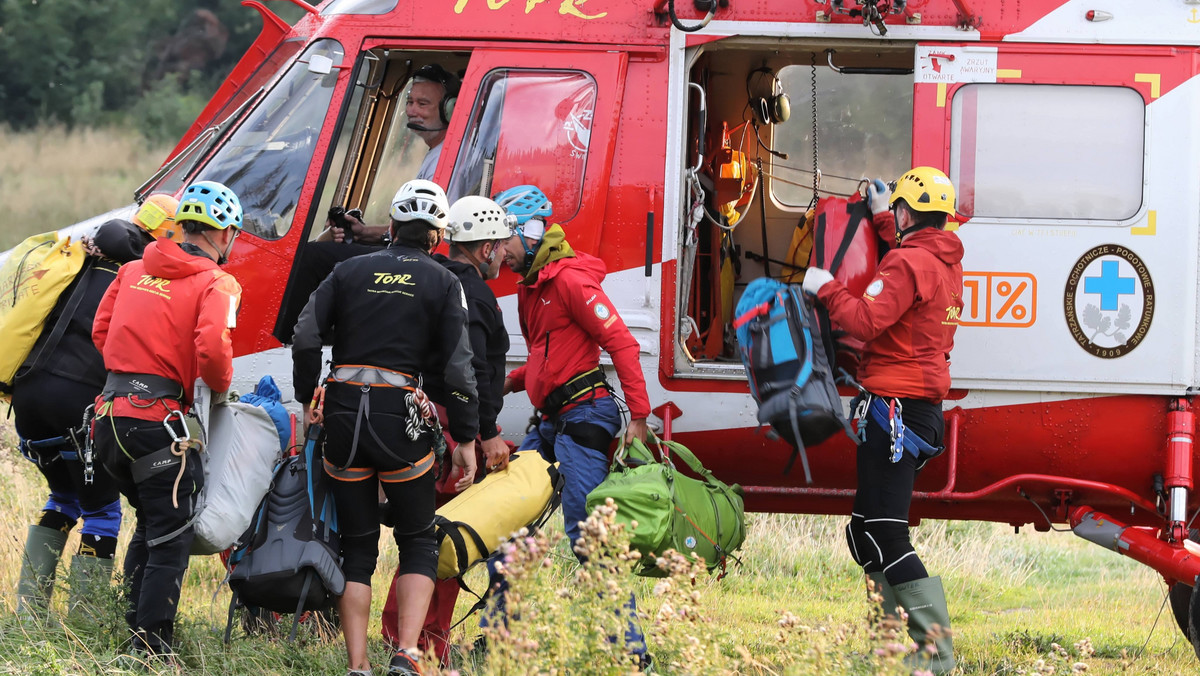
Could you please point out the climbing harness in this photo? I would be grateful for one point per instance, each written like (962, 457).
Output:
(888, 413)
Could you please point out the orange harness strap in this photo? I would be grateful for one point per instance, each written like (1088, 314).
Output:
(351, 474)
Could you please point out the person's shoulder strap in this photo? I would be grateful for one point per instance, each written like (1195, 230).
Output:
(64, 319)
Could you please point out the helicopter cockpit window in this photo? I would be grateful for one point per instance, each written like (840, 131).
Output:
(528, 126)
(266, 158)
(864, 129)
(359, 7)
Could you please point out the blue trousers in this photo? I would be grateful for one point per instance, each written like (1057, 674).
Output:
(582, 469)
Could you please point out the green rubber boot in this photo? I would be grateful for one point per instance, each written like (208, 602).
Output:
(928, 624)
(879, 587)
(43, 548)
(89, 579)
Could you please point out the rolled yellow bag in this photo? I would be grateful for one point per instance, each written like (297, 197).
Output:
(32, 278)
(472, 525)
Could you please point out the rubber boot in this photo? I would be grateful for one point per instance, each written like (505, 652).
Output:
(89, 579)
(887, 606)
(43, 548)
(928, 624)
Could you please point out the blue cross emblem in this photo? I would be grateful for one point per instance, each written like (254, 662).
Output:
(1110, 285)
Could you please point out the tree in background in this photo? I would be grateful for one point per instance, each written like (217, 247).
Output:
(153, 63)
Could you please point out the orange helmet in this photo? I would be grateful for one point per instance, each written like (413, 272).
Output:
(157, 217)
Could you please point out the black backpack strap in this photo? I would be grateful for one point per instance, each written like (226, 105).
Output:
(308, 578)
(451, 530)
(64, 320)
(858, 211)
(229, 621)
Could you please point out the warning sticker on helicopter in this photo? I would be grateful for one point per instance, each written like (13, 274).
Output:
(1109, 301)
(936, 63)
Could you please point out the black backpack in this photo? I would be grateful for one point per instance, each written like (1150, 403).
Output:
(787, 365)
(290, 562)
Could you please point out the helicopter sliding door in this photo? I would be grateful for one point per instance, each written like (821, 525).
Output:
(1077, 194)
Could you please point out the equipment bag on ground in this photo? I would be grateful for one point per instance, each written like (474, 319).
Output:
(291, 562)
(32, 278)
(473, 524)
(787, 366)
(242, 452)
(704, 516)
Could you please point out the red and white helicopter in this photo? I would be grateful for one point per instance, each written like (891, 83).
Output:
(1068, 126)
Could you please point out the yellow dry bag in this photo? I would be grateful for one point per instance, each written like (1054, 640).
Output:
(472, 525)
(31, 280)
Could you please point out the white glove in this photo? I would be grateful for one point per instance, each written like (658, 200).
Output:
(814, 279)
(878, 196)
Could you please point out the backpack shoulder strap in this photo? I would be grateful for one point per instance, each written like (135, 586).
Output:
(857, 212)
(64, 320)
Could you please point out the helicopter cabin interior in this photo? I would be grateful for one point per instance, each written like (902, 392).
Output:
(767, 124)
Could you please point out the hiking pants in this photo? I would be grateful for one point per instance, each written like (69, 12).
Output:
(154, 573)
(383, 446)
(46, 406)
(878, 535)
(573, 440)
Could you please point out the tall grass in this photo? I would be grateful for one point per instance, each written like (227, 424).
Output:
(51, 177)
(795, 605)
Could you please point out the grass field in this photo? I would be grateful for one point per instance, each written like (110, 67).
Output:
(51, 178)
(796, 605)
(1013, 597)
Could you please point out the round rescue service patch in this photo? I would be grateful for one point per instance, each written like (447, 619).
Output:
(1109, 301)
(875, 287)
(602, 311)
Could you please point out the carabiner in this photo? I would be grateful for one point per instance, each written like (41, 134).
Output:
(177, 438)
(896, 422)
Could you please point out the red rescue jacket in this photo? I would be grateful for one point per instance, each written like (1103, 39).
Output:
(907, 316)
(566, 319)
(171, 315)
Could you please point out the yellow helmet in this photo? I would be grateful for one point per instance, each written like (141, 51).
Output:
(925, 189)
(157, 217)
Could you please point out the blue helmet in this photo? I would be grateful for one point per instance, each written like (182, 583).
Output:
(210, 203)
(524, 202)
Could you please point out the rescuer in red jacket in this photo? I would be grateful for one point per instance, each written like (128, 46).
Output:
(907, 318)
(165, 321)
(566, 319)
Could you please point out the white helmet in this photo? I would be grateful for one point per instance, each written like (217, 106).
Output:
(420, 200)
(475, 218)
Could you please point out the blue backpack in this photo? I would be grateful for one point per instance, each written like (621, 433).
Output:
(787, 364)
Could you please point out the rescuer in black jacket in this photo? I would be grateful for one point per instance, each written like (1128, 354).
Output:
(476, 233)
(394, 318)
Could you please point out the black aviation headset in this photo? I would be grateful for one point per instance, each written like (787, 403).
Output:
(450, 83)
(775, 107)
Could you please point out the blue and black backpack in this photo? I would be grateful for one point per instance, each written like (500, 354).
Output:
(290, 562)
(787, 364)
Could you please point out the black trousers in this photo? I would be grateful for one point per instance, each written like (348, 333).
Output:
(383, 445)
(878, 532)
(154, 573)
(45, 406)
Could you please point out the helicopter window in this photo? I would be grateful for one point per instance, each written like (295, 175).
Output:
(359, 7)
(528, 126)
(864, 128)
(1079, 156)
(266, 158)
(173, 181)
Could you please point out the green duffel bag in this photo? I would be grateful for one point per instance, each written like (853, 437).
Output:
(673, 511)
